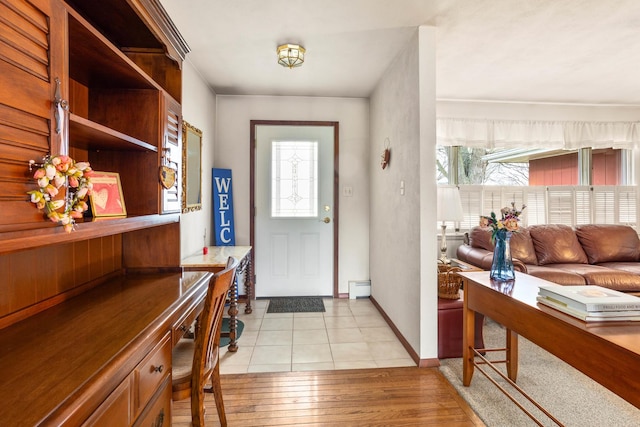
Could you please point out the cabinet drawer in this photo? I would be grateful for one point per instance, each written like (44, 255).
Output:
(152, 371)
(158, 413)
(181, 326)
(116, 410)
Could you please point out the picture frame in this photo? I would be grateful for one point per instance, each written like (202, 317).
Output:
(191, 168)
(107, 199)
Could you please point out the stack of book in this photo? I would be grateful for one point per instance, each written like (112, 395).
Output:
(591, 303)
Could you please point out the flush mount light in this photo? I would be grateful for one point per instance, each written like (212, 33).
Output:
(291, 55)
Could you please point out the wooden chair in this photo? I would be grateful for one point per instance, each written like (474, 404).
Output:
(196, 361)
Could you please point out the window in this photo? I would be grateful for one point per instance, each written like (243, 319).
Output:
(569, 205)
(294, 179)
(478, 166)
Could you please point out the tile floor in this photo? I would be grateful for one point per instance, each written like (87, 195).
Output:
(350, 334)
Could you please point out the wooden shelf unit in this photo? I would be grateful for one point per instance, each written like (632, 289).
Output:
(117, 63)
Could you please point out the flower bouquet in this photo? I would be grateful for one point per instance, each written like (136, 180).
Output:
(502, 264)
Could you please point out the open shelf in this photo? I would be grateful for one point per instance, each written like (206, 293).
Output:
(89, 135)
(89, 228)
(95, 62)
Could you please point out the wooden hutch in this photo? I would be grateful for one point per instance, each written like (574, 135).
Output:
(88, 318)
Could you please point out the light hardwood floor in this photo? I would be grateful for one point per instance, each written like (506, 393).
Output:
(316, 369)
(406, 396)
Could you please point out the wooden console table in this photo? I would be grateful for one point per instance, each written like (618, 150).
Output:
(607, 352)
(216, 260)
(101, 358)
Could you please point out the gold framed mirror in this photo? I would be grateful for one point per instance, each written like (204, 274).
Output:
(191, 168)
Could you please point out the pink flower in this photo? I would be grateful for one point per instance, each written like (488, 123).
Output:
(511, 224)
(54, 216)
(51, 190)
(39, 173)
(76, 214)
(68, 227)
(73, 182)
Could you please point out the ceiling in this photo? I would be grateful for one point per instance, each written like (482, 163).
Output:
(569, 51)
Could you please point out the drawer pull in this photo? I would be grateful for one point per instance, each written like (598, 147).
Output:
(183, 328)
(158, 368)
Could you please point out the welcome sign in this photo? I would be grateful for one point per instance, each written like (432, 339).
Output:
(223, 207)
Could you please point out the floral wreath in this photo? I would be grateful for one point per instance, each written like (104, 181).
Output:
(53, 173)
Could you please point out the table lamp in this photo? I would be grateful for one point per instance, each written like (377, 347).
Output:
(449, 209)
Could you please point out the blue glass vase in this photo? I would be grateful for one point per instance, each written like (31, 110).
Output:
(502, 265)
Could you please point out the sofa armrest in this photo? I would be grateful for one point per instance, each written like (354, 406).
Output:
(519, 266)
(481, 258)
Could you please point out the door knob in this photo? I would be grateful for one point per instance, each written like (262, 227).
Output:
(326, 220)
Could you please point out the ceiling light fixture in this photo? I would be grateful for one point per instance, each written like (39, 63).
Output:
(291, 55)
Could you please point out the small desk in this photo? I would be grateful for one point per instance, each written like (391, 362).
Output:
(608, 352)
(216, 260)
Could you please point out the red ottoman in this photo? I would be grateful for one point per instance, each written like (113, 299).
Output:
(450, 328)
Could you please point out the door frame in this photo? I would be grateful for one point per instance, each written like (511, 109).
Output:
(252, 168)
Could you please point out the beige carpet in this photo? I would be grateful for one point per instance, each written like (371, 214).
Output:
(569, 395)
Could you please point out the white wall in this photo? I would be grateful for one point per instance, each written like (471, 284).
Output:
(234, 114)
(535, 111)
(199, 110)
(402, 265)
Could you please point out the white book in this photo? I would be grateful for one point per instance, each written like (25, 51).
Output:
(591, 298)
(588, 316)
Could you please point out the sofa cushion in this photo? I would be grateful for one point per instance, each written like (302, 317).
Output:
(608, 242)
(619, 280)
(556, 275)
(520, 243)
(480, 237)
(556, 244)
(522, 247)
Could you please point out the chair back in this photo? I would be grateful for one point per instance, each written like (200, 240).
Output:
(207, 337)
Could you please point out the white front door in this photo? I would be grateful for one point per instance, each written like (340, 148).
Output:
(294, 210)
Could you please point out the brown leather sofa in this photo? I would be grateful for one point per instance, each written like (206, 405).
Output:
(604, 255)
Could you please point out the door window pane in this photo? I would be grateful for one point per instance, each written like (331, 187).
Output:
(294, 179)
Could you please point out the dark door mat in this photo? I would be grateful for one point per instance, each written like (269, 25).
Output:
(296, 305)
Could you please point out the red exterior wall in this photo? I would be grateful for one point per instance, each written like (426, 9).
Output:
(563, 170)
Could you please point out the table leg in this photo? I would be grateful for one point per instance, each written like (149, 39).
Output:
(233, 317)
(468, 338)
(248, 282)
(512, 355)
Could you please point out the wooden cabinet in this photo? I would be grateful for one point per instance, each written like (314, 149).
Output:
(103, 80)
(120, 89)
(115, 411)
(152, 372)
(93, 347)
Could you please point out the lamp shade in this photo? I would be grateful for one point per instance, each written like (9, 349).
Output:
(449, 204)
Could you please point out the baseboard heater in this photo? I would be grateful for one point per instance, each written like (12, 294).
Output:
(359, 289)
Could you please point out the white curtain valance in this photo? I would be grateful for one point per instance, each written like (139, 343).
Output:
(478, 133)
